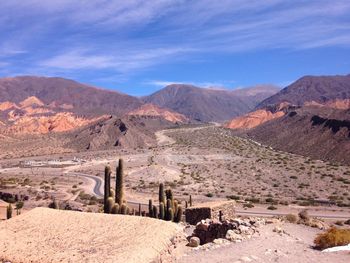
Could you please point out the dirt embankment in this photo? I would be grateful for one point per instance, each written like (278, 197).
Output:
(48, 235)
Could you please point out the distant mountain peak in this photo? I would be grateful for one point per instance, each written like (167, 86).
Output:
(319, 89)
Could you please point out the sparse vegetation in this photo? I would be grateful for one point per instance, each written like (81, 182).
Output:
(332, 237)
(291, 218)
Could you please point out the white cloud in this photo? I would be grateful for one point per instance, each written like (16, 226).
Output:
(122, 61)
(126, 36)
(209, 85)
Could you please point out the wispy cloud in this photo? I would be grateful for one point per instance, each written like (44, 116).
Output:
(121, 61)
(220, 85)
(135, 35)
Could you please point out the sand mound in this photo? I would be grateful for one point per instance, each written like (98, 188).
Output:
(48, 235)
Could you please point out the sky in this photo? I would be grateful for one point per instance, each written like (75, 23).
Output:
(138, 47)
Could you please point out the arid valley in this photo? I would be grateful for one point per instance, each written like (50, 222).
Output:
(174, 131)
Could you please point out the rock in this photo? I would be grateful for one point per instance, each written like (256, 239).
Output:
(219, 241)
(246, 231)
(237, 221)
(278, 230)
(268, 251)
(318, 224)
(232, 236)
(194, 242)
(272, 221)
(246, 259)
(254, 257)
(202, 226)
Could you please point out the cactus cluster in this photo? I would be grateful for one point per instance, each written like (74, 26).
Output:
(169, 208)
(114, 202)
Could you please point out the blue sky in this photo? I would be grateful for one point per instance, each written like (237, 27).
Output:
(137, 46)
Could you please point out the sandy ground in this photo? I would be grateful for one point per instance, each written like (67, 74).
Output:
(48, 235)
(294, 246)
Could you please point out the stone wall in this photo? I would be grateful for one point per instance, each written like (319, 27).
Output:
(210, 210)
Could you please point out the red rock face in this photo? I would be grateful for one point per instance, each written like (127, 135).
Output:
(153, 110)
(32, 116)
(253, 119)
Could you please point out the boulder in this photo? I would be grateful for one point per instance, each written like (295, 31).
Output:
(194, 242)
(232, 236)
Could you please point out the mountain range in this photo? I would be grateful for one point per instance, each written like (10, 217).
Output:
(309, 117)
(206, 104)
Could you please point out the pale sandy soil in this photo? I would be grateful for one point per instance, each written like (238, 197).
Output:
(48, 235)
(294, 246)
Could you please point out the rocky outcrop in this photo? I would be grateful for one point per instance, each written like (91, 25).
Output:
(58, 122)
(235, 230)
(318, 89)
(150, 109)
(209, 104)
(253, 119)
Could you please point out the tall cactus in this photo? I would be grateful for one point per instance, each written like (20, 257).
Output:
(9, 211)
(55, 204)
(190, 203)
(167, 209)
(178, 214)
(170, 214)
(115, 209)
(139, 209)
(107, 188)
(155, 211)
(170, 196)
(175, 206)
(150, 208)
(111, 193)
(162, 197)
(123, 209)
(110, 204)
(119, 183)
(161, 211)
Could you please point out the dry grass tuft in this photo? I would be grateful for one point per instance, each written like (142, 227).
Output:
(332, 237)
(291, 218)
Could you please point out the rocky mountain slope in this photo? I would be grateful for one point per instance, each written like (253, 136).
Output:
(208, 104)
(153, 110)
(112, 132)
(66, 94)
(253, 119)
(317, 89)
(309, 117)
(321, 133)
(32, 116)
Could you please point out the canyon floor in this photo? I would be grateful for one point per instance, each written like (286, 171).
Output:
(209, 163)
